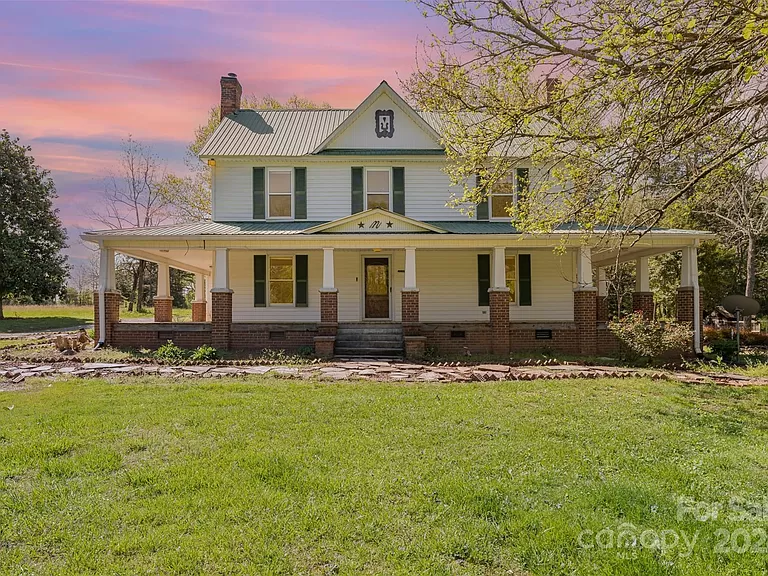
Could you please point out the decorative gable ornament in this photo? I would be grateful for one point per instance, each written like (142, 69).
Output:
(374, 221)
(385, 123)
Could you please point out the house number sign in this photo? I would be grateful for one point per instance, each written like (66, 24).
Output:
(385, 123)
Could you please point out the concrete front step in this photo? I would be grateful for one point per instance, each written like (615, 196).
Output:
(371, 352)
(342, 337)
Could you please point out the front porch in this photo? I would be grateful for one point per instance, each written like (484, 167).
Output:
(457, 294)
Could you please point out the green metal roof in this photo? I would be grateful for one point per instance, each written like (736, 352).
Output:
(208, 228)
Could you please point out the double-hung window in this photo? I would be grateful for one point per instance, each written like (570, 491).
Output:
(280, 192)
(508, 190)
(378, 188)
(510, 274)
(281, 277)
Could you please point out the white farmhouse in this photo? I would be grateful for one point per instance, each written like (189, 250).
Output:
(330, 229)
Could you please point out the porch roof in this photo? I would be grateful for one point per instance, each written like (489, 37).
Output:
(209, 228)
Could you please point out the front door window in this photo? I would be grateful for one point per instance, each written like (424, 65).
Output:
(376, 288)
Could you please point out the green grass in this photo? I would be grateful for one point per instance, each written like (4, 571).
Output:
(35, 318)
(285, 477)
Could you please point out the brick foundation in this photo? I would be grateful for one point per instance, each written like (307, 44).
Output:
(499, 315)
(199, 311)
(325, 346)
(684, 303)
(585, 317)
(602, 308)
(163, 309)
(152, 335)
(410, 313)
(643, 302)
(329, 306)
(415, 347)
(112, 302)
(221, 318)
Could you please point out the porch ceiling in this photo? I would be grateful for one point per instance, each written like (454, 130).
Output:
(195, 261)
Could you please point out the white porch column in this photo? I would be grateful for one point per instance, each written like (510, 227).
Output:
(689, 267)
(199, 288)
(221, 269)
(410, 269)
(328, 270)
(499, 267)
(106, 269)
(642, 282)
(107, 305)
(163, 281)
(584, 268)
(602, 283)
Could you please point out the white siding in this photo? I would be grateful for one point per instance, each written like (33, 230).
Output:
(427, 189)
(233, 189)
(362, 132)
(447, 282)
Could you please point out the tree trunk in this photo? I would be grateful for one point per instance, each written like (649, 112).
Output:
(132, 299)
(1, 308)
(140, 286)
(751, 268)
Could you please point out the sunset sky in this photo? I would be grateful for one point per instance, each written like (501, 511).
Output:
(78, 77)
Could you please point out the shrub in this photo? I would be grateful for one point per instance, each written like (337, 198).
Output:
(204, 352)
(170, 352)
(747, 338)
(649, 339)
(725, 348)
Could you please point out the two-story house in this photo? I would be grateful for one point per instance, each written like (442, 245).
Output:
(331, 229)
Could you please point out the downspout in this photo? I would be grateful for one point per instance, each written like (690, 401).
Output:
(102, 298)
(696, 302)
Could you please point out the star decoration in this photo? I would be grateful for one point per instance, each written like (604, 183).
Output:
(389, 224)
(360, 225)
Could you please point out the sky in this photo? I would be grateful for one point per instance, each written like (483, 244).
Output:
(76, 78)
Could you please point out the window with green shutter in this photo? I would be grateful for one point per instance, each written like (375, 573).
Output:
(357, 190)
(398, 190)
(524, 279)
(483, 279)
(258, 194)
(300, 193)
(482, 207)
(259, 280)
(302, 280)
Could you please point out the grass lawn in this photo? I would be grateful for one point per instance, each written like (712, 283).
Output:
(270, 476)
(34, 318)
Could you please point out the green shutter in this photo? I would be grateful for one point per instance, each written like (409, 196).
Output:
(258, 194)
(357, 190)
(483, 279)
(300, 193)
(482, 207)
(398, 190)
(522, 182)
(259, 280)
(524, 279)
(302, 281)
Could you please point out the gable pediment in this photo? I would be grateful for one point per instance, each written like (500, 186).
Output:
(383, 121)
(375, 221)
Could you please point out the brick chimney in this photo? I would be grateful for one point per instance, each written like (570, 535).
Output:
(231, 91)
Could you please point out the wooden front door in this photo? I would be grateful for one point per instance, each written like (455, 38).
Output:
(376, 274)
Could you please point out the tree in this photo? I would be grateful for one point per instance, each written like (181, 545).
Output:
(31, 234)
(597, 94)
(737, 206)
(132, 199)
(190, 195)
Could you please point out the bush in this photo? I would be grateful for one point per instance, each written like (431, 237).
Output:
(170, 352)
(747, 338)
(725, 348)
(204, 352)
(649, 339)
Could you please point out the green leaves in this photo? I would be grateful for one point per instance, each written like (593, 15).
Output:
(31, 235)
